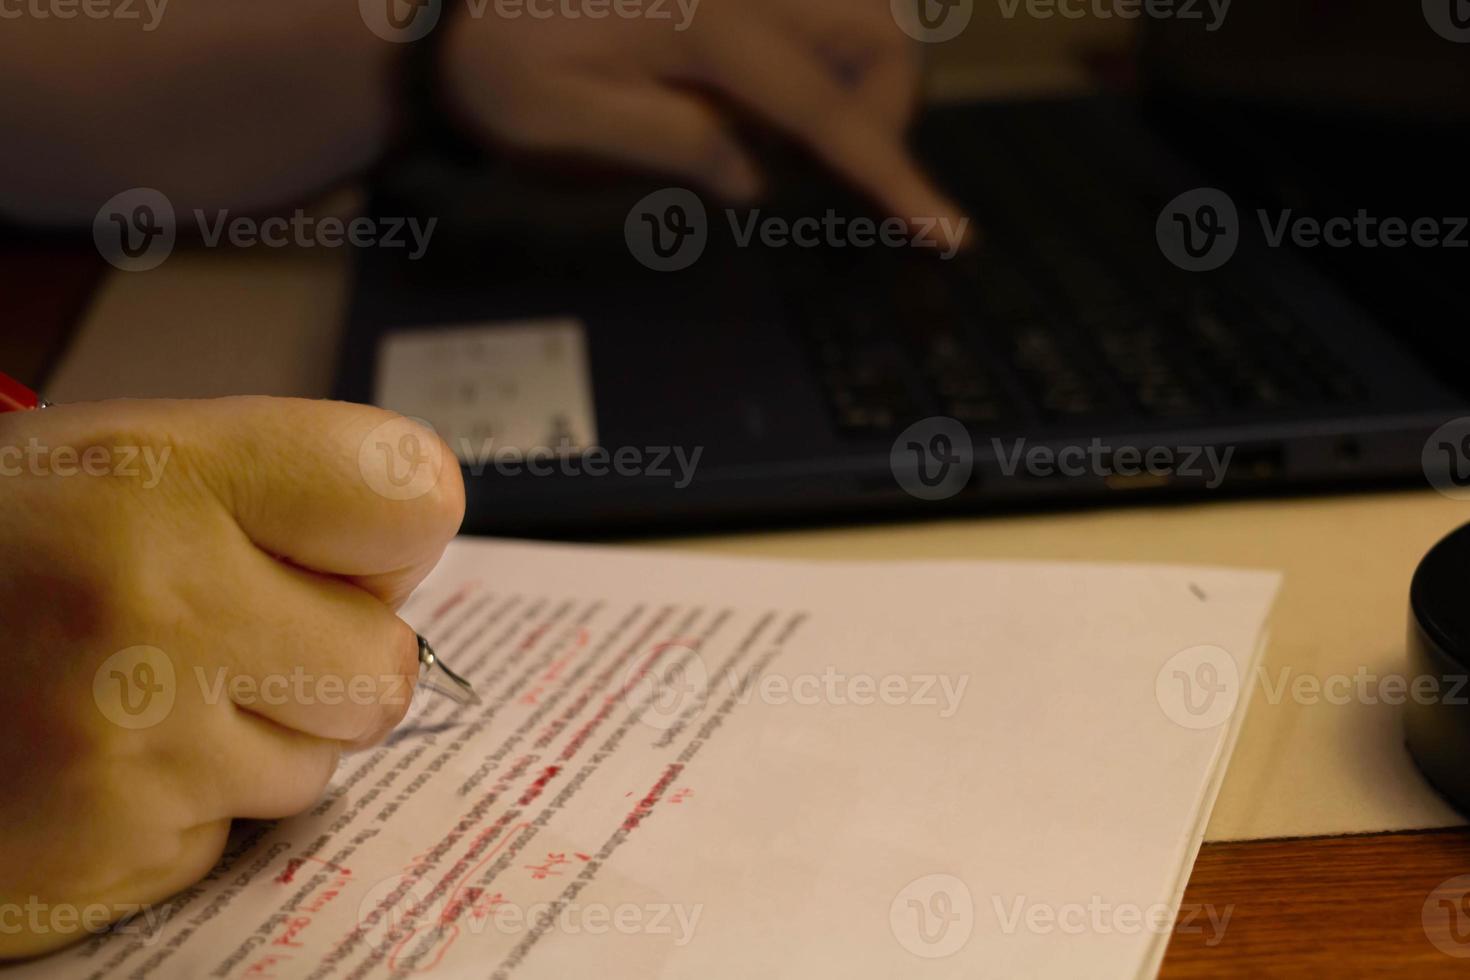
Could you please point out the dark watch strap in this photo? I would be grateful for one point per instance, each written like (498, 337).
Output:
(426, 116)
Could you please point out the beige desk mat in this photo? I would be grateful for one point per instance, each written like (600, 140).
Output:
(1321, 763)
(212, 323)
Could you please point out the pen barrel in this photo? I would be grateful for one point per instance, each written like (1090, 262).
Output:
(16, 397)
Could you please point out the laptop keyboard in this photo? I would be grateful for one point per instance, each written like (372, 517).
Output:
(1065, 312)
(981, 343)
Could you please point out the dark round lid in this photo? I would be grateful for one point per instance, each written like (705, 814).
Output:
(1440, 595)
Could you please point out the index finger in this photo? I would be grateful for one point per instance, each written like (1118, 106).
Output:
(770, 74)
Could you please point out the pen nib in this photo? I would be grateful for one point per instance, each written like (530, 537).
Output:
(457, 689)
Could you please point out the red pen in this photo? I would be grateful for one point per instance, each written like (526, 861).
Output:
(16, 397)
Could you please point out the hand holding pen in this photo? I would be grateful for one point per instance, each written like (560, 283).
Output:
(198, 623)
(16, 397)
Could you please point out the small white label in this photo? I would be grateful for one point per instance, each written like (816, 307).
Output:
(495, 387)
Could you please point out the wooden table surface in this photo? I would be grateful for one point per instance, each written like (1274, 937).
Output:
(1369, 905)
(1329, 906)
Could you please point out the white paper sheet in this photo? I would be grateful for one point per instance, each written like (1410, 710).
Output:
(714, 768)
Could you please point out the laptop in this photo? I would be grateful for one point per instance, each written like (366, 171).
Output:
(1242, 269)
